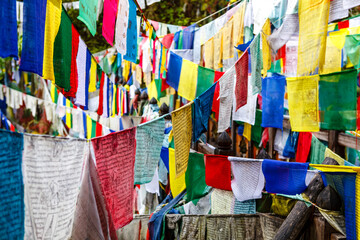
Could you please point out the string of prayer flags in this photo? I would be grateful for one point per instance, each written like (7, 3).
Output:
(311, 47)
(182, 128)
(52, 179)
(121, 26)
(303, 147)
(109, 19)
(8, 29)
(149, 140)
(256, 65)
(241, 88)
(196, 186)
(131, 36)
(273, 91)
(284, 177)
(226, 99)
(218, 172)
(303, 98)
(88, 14)
(11, 186)
(202, 111)
(63, 53)
(32, 55)
(337, 100)
(115, 158)
(249, 180)
(177, 183)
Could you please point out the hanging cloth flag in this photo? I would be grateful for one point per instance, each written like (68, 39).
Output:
(337, 100)
(52, 177)
(32, 55)
(106, 96)
(196, 186)
(256, 129)
(121, 26)
(311, 48)
(284, 177)
(209, 53)
(256, 65)
(205, 79)
(177, 183)
(11, 186)
(116, 174)
(226, 99)
(303, 147)
(52, 24)
(74, 74)
(272, 92)
(202, 111)
(218, 172)
(62, 52)
(249, 180)
(333, 55)
(266, 54)
(221, 203)
(131, 36)
(317, 151)
(228, 49)
(81, 59)
(303, 97)
(216, 100)
(149, 140)
(88, 14)
(241, 88)
(352, 46)
(101, 94)
(93, 75)
(188, 80)
(8, 28)
(218, 51)
(109, 19)
(181, 119)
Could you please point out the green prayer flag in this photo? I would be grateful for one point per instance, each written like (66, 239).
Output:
(256, 130)
(352, 49)
(195, 178)
(317, 151)
(205, 80)
(337, 100)
(88, 14)
(62, 52)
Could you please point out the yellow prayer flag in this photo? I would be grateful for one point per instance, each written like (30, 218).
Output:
(182, 128)
(177, 183)
(303, 96)
(228, 51)
(126, 70)
(209, 53)
(152, 90)
(313, 23)
(335, 168)
(88, 126)
(138, 74)
(337, 158)
(337, 38)
(218, 49)
(53, 92)
(92, 80)
(68, 113)
(332, 61)
(266, 31)
(247, 131)
(188, 80)
(113, 105)
(238, 26)
(52, 24)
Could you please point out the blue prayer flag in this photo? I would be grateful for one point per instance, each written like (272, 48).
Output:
(174, 70)
(131, 40)
(8, 29)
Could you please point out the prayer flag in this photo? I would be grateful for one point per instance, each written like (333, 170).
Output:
(8, 30)
(317, 151)
(74, 74)
(303, 147)
(177, 183)
(226, 99)
(88, 14)
(256, 65)
(273, 91)
(205, 80)
(109, 19)
(337, 100)
(181, 119)
(115, 157)
(92, 79)
(202, 111)
(284, 177)
(303, 96)
(188, 80)
(11, 186)
(218, 172)
(241, 88)
(149, 140)
(121, 26)
(131, 38)
(352, 47)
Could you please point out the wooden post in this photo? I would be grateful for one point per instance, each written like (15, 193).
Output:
(224, 145)
(272, 132)
(233, 137)
(332, 140)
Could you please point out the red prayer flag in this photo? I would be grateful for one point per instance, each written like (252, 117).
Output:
(218, 172)
(101, 95)
(115, 158)
(241, 88)
(303, 147)
(216, 100)
(73, 69)
(167, 40)
(343, 24)
(109, 20)
(98, 130)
